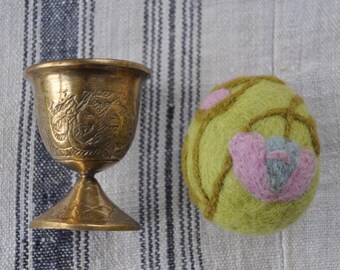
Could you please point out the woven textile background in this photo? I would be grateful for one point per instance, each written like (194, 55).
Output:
(190, 45)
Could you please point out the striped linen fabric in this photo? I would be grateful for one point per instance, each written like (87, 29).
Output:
(190, 45)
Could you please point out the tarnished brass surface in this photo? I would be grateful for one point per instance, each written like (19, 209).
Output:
(87, 111)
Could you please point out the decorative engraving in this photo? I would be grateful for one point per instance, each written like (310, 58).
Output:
(98, 212)
(90, 124)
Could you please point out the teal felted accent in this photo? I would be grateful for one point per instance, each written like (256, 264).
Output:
(281, 163)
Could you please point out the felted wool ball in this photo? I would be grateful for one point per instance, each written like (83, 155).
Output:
(251, 156)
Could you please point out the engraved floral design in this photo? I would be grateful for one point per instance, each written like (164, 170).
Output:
(89, 124)
(99, 212)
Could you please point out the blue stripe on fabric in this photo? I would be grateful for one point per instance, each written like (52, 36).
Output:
(191, 105)
(20, 142)
(77, 236)
(198, 78)
(151, 189)
(92, 10)
(152, 141)
(169, 138)
(83, 39)
(156, 142)
(142, 235)
(181, 190)
(87, 251)
(192, 226)
(149, 185)
(53, 249)
(26, 179)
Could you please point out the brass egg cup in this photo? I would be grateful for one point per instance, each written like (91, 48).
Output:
(87, 112)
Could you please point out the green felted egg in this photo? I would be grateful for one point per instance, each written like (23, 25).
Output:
(251, 156)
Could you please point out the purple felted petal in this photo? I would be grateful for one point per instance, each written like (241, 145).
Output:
(213, 98)
(301, 177)
(248, 151)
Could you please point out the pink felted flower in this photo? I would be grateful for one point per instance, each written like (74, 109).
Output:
(213, 98)
(274, 169)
